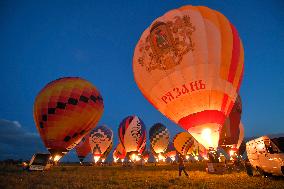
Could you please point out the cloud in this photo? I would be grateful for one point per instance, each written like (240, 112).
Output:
(16, 143)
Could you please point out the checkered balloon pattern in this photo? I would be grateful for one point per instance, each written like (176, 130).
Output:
(65, 110)
(159, 138)
(183, 142)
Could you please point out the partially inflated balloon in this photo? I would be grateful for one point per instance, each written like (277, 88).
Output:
(189, 65)
(132, 134)
(232, 131)
(100, 140)
(64, 111)
(159, 138)
(119, 152)
(83, 148)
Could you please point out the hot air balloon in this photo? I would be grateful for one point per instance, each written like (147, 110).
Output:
(105, 155)
(100, 139)
(159, 138)
(83, 148)
(183, 142)
(232, 132)
(132, 135)
(64, 111)
(189, 65)
(119, 153)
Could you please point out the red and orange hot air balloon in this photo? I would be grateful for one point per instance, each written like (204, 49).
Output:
(189, 65)
(83, 148)
(64, 111)
(119, 153)
(232, 132)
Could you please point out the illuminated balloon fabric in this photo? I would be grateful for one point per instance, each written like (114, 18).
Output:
(241, 136)
(119, 152)
(83, 148)
(159, 138)
(105, 155)
(189, 65)
(230, 132)
(183, 142)
(65, 110)
(132, 134)
(100, 139)
(171, 151)
(146, 155)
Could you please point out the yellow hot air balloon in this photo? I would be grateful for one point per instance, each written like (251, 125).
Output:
(183, 142)
(189, 65)
(64, 111)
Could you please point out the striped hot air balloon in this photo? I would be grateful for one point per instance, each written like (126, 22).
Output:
(64, 111)
(100, 140)
(232, 132)
(132, 134)
(189, 65)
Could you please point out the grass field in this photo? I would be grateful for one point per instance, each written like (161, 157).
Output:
(67, 176)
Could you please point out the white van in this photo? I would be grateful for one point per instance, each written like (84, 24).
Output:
(265, 156)
(40, 162)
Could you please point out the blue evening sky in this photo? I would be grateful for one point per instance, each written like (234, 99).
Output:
(43, 40)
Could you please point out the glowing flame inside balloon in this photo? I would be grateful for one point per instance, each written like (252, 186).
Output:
(173, 158)
(161, 157)
(133, 157)
(206, 136)
(122, 160)
(56, 158)
(103, 160)
(187, 157)
(232, 152)
(96, 158)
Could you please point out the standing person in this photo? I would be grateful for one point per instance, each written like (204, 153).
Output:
(181, 166)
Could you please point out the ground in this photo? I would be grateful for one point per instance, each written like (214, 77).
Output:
(161, 176)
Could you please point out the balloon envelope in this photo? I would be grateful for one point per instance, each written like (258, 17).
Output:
(100, 140)
(132, 134)
(182, 142)
(83, 148)
(189, 65)
(64, 111)
(232, 132)
(159, 138)
(119, 152)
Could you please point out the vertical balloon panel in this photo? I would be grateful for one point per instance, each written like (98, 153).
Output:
(189, 65)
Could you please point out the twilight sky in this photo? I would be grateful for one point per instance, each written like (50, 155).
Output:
(43, 40)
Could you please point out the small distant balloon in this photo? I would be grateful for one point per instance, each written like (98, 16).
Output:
(132, 134)
(100, 140)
